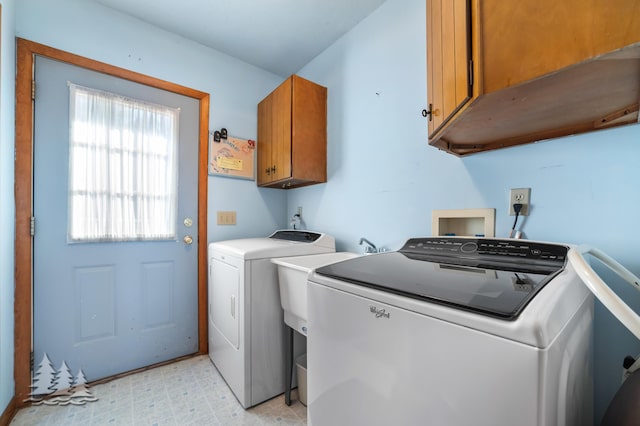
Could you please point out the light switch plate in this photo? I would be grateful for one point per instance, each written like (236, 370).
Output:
(226, 217)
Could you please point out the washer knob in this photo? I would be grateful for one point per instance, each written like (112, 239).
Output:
(469, 247)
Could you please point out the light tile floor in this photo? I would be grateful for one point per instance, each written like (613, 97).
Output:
(188, 392)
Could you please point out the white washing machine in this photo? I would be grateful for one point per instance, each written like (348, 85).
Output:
(246, 325)
(451, 331)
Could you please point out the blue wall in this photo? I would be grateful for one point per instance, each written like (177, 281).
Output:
(7, 209)
(384, 180)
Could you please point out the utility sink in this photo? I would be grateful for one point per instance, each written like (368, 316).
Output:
(292, 278)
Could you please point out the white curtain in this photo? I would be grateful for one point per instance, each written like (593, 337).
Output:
(123, 168)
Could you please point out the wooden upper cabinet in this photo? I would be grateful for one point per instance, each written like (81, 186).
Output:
(292, 135)
(449, 59)
(539, 69)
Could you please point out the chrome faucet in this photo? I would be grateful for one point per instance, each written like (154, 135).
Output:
(370, 247)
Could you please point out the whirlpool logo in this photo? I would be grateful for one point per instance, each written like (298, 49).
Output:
(378, 312)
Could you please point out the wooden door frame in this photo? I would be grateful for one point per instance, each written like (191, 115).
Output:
(23, 310)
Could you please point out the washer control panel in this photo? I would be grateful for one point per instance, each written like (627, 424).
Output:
(486, 248)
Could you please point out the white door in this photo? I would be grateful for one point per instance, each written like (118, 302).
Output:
(102, 306)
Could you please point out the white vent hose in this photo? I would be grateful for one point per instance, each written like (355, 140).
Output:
(627, 316)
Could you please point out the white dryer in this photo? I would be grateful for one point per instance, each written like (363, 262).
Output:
(246, 325)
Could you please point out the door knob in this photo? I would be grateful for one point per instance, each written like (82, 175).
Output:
(188, 240)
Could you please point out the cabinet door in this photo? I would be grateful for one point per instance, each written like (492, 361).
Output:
(448, 59)
(265, 141)
(281, 131)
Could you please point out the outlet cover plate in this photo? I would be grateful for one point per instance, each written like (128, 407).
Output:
(522, 196)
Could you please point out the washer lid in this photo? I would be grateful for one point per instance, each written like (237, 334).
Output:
(457, 272)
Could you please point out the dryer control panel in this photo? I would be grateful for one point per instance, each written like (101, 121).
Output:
(300, 236)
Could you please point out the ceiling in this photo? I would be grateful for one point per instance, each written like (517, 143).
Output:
(280, 36)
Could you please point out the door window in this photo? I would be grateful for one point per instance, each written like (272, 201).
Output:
(123, 174)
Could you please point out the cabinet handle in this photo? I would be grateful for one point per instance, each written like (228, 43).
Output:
(428, 113)
(268, 171)
(273, 169)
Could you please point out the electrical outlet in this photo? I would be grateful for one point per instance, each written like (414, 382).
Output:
(520, 196)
